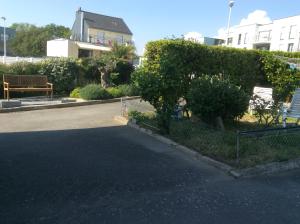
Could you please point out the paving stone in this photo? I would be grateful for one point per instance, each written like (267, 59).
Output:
(10, 103)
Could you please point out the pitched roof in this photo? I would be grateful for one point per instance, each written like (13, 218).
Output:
(109, 23)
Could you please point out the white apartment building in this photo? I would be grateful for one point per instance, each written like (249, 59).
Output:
(280, 35)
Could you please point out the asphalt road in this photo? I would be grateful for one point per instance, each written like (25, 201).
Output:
(76, 165)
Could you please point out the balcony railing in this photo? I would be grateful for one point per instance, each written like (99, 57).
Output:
(108, 41)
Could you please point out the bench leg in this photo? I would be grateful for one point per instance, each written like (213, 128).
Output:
(4, 95)
(7, 94)
(52, 95)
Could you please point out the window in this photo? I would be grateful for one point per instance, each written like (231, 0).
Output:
(292, 34)
(282, 33)
(290, 47)
(246, 38)
(229, 41)
(240, 39)
(100, 38)
(264, 36)
(119, 39)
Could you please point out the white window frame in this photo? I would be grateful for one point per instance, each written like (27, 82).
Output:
(246, 38)
(240, 39)
(292, 48)
(293, 33)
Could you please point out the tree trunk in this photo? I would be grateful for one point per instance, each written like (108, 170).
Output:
(104, 79)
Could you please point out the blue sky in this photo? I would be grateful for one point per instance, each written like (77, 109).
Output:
(148, 19)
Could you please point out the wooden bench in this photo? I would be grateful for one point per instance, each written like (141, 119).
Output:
(26, 83)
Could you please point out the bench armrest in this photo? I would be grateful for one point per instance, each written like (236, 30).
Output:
(5, 84)
(50, 84)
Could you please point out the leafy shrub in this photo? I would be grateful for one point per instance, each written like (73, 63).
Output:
(24, 68)
(89, 72)
(63, 73)
(115, 92)
(75, 93)
(122, 90)
(211, 97)
(128, 90)
(265, 110)
(122, 73)
(94, 92)
(283, 79)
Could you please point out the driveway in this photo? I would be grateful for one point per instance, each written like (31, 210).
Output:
(75, 165)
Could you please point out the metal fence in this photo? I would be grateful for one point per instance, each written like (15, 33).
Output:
(11, 60)
(260, 141)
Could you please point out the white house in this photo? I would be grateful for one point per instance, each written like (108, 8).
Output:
(92, 34)
(279, 35)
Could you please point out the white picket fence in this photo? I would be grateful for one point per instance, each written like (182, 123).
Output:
(11, 60)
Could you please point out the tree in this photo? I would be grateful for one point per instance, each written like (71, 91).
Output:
(123, 52)
(31, 40)
(116, 61)
(107, 63)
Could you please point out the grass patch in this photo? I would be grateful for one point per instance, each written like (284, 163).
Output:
(221, 145)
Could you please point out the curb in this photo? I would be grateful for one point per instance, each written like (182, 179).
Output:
(269, 168)
(219, 165)
(65, 105)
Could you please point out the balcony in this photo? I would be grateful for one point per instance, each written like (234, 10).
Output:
(107, 41)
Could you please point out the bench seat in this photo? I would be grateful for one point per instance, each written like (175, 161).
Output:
(29, 89)
(26, 83)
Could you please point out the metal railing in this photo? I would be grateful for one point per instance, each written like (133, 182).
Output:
(12, 60)
(108, 41)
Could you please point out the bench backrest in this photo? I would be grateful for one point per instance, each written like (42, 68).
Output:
(294, 109)
(26, 80)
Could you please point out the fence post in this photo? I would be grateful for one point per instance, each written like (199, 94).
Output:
(122, 113)
(238, 147)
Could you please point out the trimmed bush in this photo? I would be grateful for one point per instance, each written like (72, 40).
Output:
(24, 68)
(128, 90)
(62, 72)
(210, 97)
(115, 92)
(75, 93)
(122, 90)
(94, 92)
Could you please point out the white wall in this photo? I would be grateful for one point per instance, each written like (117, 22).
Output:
(279, 38)
(61, 48)
(283, 26)
(248, 35)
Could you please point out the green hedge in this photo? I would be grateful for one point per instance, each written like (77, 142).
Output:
(63, 73)
(170, 66)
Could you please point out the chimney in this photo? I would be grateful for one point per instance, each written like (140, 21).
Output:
(81, 24)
